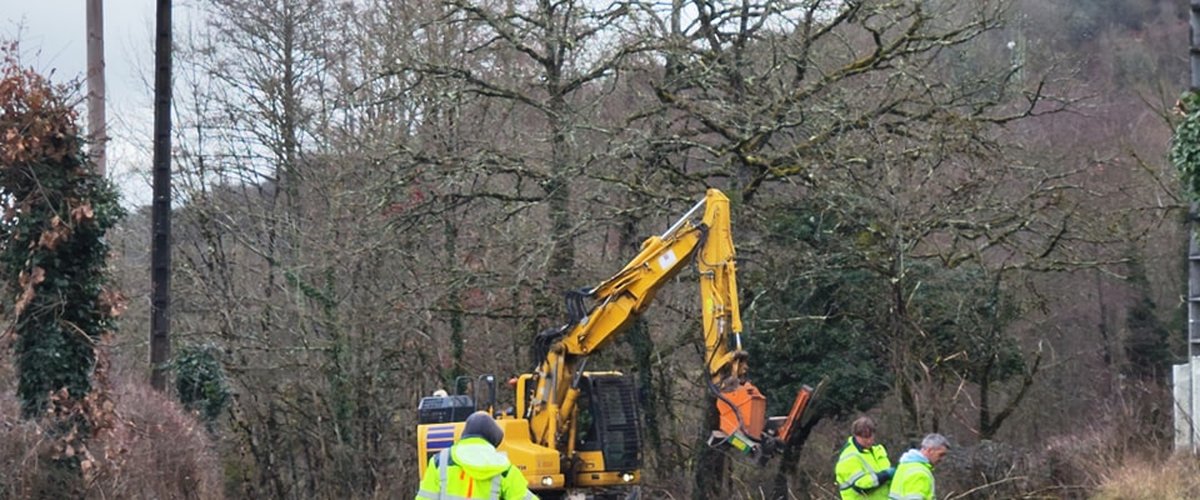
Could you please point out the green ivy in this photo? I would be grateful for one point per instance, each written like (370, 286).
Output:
(59, 325)
(53, 258)
(1185, 145)
(200, 381)
(789, 345)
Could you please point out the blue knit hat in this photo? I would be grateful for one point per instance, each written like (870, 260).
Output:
(480, 424)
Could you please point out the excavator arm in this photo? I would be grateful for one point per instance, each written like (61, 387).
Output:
(598, 315)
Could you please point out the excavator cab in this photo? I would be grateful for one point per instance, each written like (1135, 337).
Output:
(442, 407)
(605, 443)
(608, 441)
(440, 417)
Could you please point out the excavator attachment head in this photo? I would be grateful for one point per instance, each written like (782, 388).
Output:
(745, 428)
(803, 396)
(743, 410)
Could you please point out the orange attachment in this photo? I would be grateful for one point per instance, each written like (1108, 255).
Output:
(747, 402)
(798, 406)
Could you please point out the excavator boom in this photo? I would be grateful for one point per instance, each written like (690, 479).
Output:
(703, 236)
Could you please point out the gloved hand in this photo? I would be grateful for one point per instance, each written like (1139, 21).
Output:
(885, 475)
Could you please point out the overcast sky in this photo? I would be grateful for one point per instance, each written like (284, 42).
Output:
(53, 37)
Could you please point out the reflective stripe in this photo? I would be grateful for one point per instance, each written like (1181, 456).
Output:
(427, 494)
(496, 486)
(867, 467)
(914, 496)
(443, 471)
(529, 496)
(849, 483)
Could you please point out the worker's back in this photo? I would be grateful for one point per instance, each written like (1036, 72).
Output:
(472, 468)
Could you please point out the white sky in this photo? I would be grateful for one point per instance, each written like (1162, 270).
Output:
(53, 37)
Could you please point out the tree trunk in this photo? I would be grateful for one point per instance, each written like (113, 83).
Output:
(710, 463)
(787, 466)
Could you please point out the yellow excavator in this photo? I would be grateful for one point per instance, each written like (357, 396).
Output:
(577, 432)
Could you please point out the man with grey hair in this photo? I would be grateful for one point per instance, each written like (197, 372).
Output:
(914, 474)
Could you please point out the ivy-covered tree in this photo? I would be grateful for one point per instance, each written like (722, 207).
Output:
(1185, 144)
(815, 319)
(816, 322)
(56, 214)
(826, 311)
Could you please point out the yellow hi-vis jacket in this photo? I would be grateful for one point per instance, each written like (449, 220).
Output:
(472, 468)
(914, 478)
(857, 472)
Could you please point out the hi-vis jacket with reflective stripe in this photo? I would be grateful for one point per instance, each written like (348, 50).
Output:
(913, 479)
(472, 468)
(856, 472)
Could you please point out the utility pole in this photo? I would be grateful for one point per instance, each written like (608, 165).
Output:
(160, 249)
(97, 128)
(1186, 376)
(1193, 247)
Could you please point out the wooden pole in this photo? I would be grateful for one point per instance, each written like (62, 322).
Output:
(97, 128)
(160, 250)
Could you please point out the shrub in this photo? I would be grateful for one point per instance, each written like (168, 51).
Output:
(200, 381)
(154, 449)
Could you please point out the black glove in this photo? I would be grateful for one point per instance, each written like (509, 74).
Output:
(885, 475)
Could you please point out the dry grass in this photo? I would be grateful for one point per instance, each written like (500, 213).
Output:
(1174, 478)
(21, 445)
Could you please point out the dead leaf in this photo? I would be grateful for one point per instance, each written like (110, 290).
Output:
(27, 282)
(113, 302)
(82, 213)
(51, 238)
